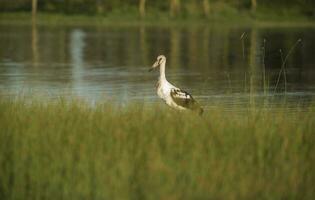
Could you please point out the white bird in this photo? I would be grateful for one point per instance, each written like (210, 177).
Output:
(173, 96)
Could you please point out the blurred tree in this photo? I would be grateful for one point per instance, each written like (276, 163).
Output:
(142, 8)
(253, 5)
(206, 8)
(34, 8)
(174, 7)
(99, 6)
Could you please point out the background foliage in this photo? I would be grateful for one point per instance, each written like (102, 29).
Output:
(181, 8)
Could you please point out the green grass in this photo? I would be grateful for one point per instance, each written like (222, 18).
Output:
(226, 17)
(69, 150)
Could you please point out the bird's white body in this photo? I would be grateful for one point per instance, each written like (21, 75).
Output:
(173, 96)
(164, 92)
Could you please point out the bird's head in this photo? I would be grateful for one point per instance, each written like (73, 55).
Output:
(161, 59)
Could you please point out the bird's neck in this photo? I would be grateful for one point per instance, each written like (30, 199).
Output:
(162, 72)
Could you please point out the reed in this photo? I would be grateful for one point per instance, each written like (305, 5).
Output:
(282, 69)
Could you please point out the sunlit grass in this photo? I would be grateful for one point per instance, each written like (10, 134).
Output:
(70, 150)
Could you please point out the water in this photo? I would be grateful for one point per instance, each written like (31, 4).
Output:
(100, 63)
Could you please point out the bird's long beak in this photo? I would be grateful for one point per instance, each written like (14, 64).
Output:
(156, 64)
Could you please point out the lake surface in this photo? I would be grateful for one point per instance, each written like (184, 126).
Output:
(233, 66)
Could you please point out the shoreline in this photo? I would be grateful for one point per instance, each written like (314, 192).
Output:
(23, 18)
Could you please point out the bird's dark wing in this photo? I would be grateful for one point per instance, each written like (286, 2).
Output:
(183, 98)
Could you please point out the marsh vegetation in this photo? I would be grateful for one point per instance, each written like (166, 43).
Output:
(70, 150)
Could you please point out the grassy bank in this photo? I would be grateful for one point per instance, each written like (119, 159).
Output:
(68, 150)
(220, 19)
